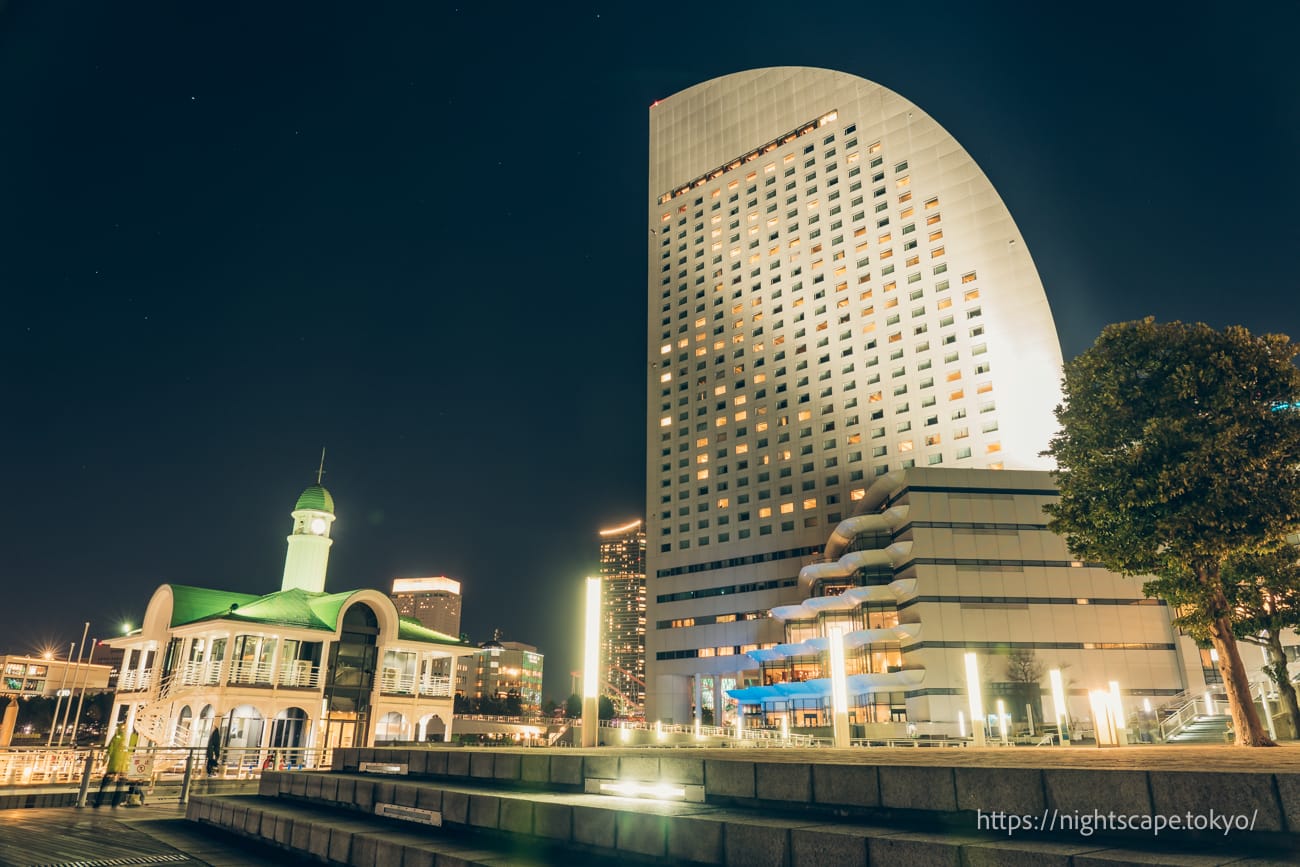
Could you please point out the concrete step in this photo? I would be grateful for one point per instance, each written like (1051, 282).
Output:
(756, 809)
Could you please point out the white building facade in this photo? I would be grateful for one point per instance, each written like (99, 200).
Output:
(836, 292)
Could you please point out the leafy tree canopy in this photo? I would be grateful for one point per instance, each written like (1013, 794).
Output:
(1178, 444)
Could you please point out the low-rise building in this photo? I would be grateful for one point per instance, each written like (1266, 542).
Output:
(292, 669)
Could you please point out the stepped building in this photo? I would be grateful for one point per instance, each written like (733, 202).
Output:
(836, 295)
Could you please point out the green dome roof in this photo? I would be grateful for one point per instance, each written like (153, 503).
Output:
(317, 499)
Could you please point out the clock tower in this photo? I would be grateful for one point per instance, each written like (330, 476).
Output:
(309, 543)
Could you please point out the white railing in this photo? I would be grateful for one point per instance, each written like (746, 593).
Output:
(432, 685)
(762, 737)
(299, 673)
(151, 766)
(135, 680)
(250, 673)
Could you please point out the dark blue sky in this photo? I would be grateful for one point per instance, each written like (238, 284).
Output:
(233, 233)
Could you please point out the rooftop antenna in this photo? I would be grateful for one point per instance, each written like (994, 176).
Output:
(321, 470)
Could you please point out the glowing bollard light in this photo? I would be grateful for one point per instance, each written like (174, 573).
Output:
(1002, 721)
(1209, 704)
(698, 735)
(625, 734)
(740, 721)
(591, 667)
(659, 730)
(1058, 705)
(1146, 705)
(839, 690)
(976, 699)
(961, 724)
(1103, 718)
(785, 728)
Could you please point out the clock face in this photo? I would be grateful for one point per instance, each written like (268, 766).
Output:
(318, 526)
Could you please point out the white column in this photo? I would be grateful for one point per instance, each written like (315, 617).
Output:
(699, 697)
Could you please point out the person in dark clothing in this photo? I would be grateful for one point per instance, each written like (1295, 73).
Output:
(213, 752)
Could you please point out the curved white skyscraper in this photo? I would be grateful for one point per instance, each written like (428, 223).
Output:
(836, 291)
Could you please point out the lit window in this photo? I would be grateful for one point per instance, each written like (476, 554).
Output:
(857, 494)
(787, 508)
(968, 278)
(810, 503)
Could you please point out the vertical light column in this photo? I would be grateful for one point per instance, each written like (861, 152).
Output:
(1103, 721)
(1117, 711)
(1002, 720)
(839, 689)
(976, 699)
(1058, 705)
(591, 667)
(961, 724)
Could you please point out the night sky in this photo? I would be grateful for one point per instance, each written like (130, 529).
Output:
(231, 234)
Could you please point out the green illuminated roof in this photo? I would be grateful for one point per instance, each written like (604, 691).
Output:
(317, 499)
(198, 603)
(410, 629)
(291, 608)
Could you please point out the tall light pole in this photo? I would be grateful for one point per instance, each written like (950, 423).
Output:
(67, 708)
(1058, 705)
(591, 667)
(58, 696)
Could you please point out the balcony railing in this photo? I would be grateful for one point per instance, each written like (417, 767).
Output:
(250, 673)
(432, 685)
(135, 680)
(299, 674)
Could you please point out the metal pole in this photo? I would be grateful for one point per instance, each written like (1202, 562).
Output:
(185, 781)
(85, 778)
(58, 696)
(76, 719)
(67, 708)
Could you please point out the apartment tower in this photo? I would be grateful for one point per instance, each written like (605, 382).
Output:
(836, 292)
(622, 578)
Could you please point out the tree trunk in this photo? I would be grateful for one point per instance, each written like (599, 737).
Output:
(1245, 722)
(1277, 670)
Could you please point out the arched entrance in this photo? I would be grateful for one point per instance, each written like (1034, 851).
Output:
(183, 736)
(244, 728)
(289, 729)
(203, 727)
(351, 678)
(391, 727)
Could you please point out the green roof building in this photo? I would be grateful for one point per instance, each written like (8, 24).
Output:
(288, 675)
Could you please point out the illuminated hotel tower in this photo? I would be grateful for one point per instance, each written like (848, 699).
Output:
(622, 578)
(836, 291)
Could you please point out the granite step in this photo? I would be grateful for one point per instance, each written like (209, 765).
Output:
(331, 818)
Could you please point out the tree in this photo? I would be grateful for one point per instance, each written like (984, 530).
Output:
(605, 708)
(1177, 450)
(513, 703)
(549, 707)
(573, 706)
(1024, 666)
(1263, 591)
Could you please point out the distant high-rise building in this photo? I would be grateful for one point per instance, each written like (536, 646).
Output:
(501, 668)
(836, 292)
(435, 602)
(623, 605)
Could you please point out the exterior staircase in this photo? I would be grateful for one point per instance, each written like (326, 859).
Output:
(1204, 729)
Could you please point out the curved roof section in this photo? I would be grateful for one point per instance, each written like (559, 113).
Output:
(199, 603)
(315, 498)
(295, 608)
